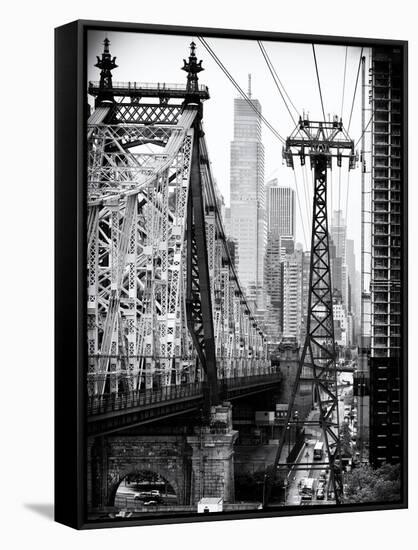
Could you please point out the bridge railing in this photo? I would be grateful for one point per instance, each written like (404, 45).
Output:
(158, 86)
(98, 404)
(111, 402)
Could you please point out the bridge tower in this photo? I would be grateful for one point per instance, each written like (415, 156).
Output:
(321, 141)
(106, 64)
(169, 329)
(198, 288)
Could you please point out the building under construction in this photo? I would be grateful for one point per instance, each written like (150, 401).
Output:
(386, 270)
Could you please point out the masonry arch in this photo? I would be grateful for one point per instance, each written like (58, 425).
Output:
(140, 485)
(145, 478)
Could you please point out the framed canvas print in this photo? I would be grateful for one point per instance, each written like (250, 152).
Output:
(231, 274)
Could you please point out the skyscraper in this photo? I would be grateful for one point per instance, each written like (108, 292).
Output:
(385, 285)
(292, 294)
(280, 210)
(339, 234)
(280, 203)
(306, 266)
(248, 223)
(339, 274)
(353, 300)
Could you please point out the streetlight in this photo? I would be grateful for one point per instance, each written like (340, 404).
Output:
(307, 462)
(264, 489)
(288, 441)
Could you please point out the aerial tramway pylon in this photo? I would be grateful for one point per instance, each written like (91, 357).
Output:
(321, 141)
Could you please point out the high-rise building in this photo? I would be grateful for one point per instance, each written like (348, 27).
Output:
(340, 320)
(385, 284)
(287, 245)
(227, 221)
(306, 266)
(339, 271)
(292, 295)
(336, 268)
(280, 207)
(280, 213)
(353, 299)
(248, 223)
(338, 231)
(351, 269)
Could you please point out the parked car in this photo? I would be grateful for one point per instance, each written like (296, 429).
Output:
(154, 501)
(151, 502)
(142, 496)
(320, 493)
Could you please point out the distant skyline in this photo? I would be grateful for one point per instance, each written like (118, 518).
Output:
(158, 58)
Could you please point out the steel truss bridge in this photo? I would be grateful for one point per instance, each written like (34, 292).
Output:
(168, 322)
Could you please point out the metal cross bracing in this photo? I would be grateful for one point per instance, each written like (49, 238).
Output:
(321, 141)
(165, 307)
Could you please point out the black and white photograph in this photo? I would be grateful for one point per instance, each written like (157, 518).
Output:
(209, 257)
(244, 266)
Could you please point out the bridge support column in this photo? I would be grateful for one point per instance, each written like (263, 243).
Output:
(213, 456)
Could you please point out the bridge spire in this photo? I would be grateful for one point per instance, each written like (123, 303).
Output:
(106, 64)
(192, 67)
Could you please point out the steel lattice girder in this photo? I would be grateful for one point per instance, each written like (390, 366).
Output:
(137, 260)
(145, 113)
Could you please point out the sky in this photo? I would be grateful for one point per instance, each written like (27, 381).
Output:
(158, 58)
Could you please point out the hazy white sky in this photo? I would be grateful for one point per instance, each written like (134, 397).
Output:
(158, 58)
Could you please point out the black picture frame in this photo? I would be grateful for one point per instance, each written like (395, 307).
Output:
(70, 269)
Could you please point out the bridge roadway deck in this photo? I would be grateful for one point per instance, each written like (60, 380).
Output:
(110, 413)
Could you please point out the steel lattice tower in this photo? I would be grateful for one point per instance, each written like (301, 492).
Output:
(321, 141)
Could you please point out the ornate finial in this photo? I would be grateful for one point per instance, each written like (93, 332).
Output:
(192, 67)
(106, 64)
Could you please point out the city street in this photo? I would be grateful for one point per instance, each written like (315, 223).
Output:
(293, 497)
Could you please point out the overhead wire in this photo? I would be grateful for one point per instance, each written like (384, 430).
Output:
(355, 90)
(364, 131)
(345, 72)
(300, 211)
(330, 190)
(346, 198)
(306, 193)
(244, 95)
(339, 168)
(339, 208)
(240, 90)
(348, 129)
(282, 85)
(278, 83)
(276, 79)
(309, 189)
(319, 82)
